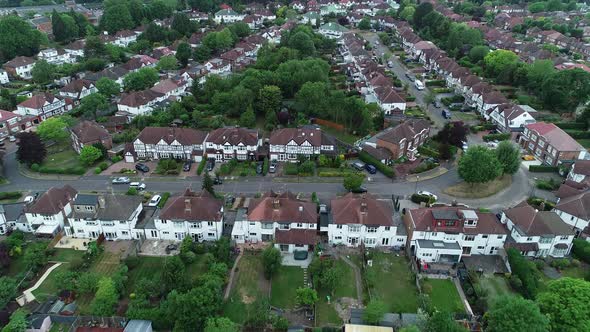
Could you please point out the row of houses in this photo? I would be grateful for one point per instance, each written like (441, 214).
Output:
(443, 234)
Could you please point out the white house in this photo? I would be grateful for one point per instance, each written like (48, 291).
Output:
(4, 76)
(233, 143)
(445, 234)
(218, 66)
(580, 172)
(575, 211)
(164, 142)
(228, 16)
(78, 89)
(125, 37)
(312, 18)
(46, 216)
(290, 222)
(537, 233)
(55, 57)
(75, 49)
(42, 106)
(21, 66)
(115, 216)
(389, 101)
(364, 219)
(139, 102)
(332, 30)
(10, 214)
(510, 117)
(197, 215)
(287, 144)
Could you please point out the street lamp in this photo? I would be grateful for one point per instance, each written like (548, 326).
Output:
(416, 188)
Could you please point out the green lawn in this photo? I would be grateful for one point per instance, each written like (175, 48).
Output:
(584, 141)
(394, 283)
(465, 116)
(443, 295)
(246, 289)
(64, 159)
(346, 286)
(66, 255)
(579, 272)
(341, 135)
(495, 285)
(284, 286)
(325, 314)
(49, 286)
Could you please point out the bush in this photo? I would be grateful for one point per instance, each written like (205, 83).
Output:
(427, 151)
(116, 159)
(201, 166)
(561, 263)
(78, 170)
(132, 191)
(581, 250)
(423, 167)
(543, 169)
(165, 197)
(440, 83)
(365, 157)
(416, 198)
(496, 137)
(572, 125)
(265, 166)
(104, 165)
(97, 170)
(577, 134)
(35, 167)
(10, 195)
(550, 184)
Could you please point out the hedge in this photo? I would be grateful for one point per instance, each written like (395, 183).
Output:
(79, 170)
(368, 159)
(422, 198)
(496, 137)
(436, 83)
(577, 134)
(572, 125)
(581, 250)
(543, 169)
(201, 166)
(10, 194)
(426, 151)
(165, 197)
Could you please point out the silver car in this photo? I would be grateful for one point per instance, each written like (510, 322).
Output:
(121, 180)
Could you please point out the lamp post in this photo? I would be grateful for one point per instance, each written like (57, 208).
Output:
(416, 187)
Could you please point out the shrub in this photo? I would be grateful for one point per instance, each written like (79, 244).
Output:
(165, 197)
(496, 137)
(427, 151)
(10, 195)
(578, 133)
(201, 166)
(97, 170)
(35, 167)
(561, 263)
(365, 157)
(416, 198)
(423, 167)
(526, 271)
(290, 169)
(550, 184)
(78, 170)
(132, 191)
(440, 83)
(575, 263)
(265, 166)
(543, 169)
(581, 250)
(572, 125)
(132, 262)
(116, 159)
(104, 165)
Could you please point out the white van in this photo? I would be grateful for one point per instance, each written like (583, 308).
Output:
(137, 185)
(419, 85)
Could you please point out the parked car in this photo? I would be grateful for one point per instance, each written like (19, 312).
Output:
(436, 104)
(229, 200)
(359, 190)
(187, 166)
(121, 180)
(432, 160)
(427, 193)
(11, 139)
(419, 85)
(492, 145)
(217, 180)
(528, 157)
(358, 166)
(142, 168)
(29, 199)
(390, 64)
(272, 167)
(465, 146)
(137, 185)
(259, 167)
(210, 164)
(155, 200)
(407, 60)
(371, 169)
(446, 114)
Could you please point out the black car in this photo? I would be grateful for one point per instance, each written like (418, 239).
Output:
(259, 168)
(210, 165)
(187, 166)
(359, 190)
(142, 168)
(217, 180)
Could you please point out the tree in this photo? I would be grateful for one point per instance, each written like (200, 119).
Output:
(442, 322)
(453, 133)
(240, 29)
(269, 99)
(407, 13)
(508, 156)
(208, 183)
(108, 87)
(116, 17)
(221, 324)
(92, 104)
(248, 118)
(537, 7)
(94, 48)
(89, 155)
(54, 129)
(105, 299)
(566, 89)
(202, 53)
(43, 72)
(168, 62)
(58, 27)
(364, 24)
(271, 259)
(524, 273)
(87, 283)
(18, 37)
(7, 291)
(353, 181)
(478, 53)
(302, 42)
(182, 24)
(515, 314)
(31, 149)
(18, 322)
(306, 296)
(422, 10)
(183, 53)
(565, 302)
(142, 79)
(374, 312)
(173, 275)
(500, 62)
(478, 165)
(4, 256)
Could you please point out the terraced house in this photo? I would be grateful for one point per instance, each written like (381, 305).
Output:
(233, 143)
(164, 142)
(288, 144)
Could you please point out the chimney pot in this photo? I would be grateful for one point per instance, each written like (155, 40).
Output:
(187, 205)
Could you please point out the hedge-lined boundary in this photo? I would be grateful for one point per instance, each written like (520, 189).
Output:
(368, 159)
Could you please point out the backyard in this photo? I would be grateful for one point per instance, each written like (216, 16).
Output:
(326, 313)
(443, 294)
(284, 286)
(392, 281)
(495, 286)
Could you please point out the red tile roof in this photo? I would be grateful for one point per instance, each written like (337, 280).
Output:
(487, 223)
(53, 200)
(361, 209)
(296, 236)
(282, 208)
(192, 206)
(184, 136)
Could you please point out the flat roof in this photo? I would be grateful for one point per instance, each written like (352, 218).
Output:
(366, 328)
(431, 244)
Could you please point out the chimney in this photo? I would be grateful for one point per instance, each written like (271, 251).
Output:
(101, 202)
(187, 205)
(301, 208)
(364, 209)
(276, 204)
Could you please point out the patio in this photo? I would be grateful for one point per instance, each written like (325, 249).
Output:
(67, 242)
(289, 260)
(157, 248)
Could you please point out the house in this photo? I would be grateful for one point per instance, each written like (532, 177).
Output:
(233, 143)
(139, 102)
(137, 62)
(87, 133)
(78, 89)
(4, 77)
(445, 234)
(298, 6)
(265, 217)
(42, 106)
(116, 73)
(312, 18)
(488, 100)
(537, 233)
(364, 219)
(253, 21)
(332, 30)
(218, 66)
(164, 142)
(580, 172)
(228, 16)
(21, 66)
(287, 144)
(114, 216)
(197, 215)
(405, 138)
(574, 210)
(9, 123)
(47, 215)
(195, 39)
(389, 100)
(550, 144)
(55, 56)
(75, 49)
(170, 88)
(510, 117)
(10, 214)
(125, 37)
(332, 9)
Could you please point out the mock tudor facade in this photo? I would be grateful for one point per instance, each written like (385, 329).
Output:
(228, 143)
(288, 144)
(163, 142)
(42, 106)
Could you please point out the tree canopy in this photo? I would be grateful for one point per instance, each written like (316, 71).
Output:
(54, 128)
(18, 37)
(31, 149)
(565, 302)
(142, 79)
(478, 165)
(509, 157)
(515, 314)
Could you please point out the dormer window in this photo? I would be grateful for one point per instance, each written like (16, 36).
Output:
(470, 223)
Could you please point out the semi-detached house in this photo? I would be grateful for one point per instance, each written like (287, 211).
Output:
(47, 215)
(404, 139)
(229, 143)
(167, 142)
(574, 210)
(21, 66)
(42, 106)
(288, 144)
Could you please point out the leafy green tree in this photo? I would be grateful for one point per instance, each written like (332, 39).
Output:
(72, 30)
(515, 314)
(58, 27)
(374, 312)
(303, 43)
(168, 62)
(221, 324)
(566, 89)
(479, 165)
(18, 322)
(537, 7)
(65, 279)
(18, 38)
(538, 72)
(478, 53)
(142, 79)
(92, 104)
(31, 149)
(353, 181)
(116, 17)
(7, 290)
(105, 299)
(94, 48)
(306, 296)
(422, 10)
(565, 302)
(508, 156)
(271, 259)
(183, 53)
(364, 24)
(43, 72)
(202, 53)
(208, 183)
(525, 272)
(407, 13)
(54, 129)
(269, 99)
(155, 33)
(173, 275)
(191, 310)
(442, 322)
(498, 62)
(87, 283)
(248, 118)
(89, 155)
(240, 29)
(108, 87)
(35, 256)
(182, 24)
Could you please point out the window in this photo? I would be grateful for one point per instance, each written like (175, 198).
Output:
(47, 217)
(252, 234)
(484, 236)
(468, 237)
(449, 223)
(399, 239)
(565, 237)
(371, 229)
(163, 221)
(122, 222)
(266, 225)
(480, 247)
(284, 226)
(252, 224)
(354, 228)
(209, 223)
(500, 236)
(338, 226)
(211, 234)
(529, 238)
(124, 233)
(337, 237)
(434, 233)
(370, 241)
(387, 228)
(299, 225)
(545, 240)
(194, 225)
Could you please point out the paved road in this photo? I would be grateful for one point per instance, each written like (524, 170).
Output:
(38, 9)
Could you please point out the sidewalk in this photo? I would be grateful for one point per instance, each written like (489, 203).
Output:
(431, 174)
